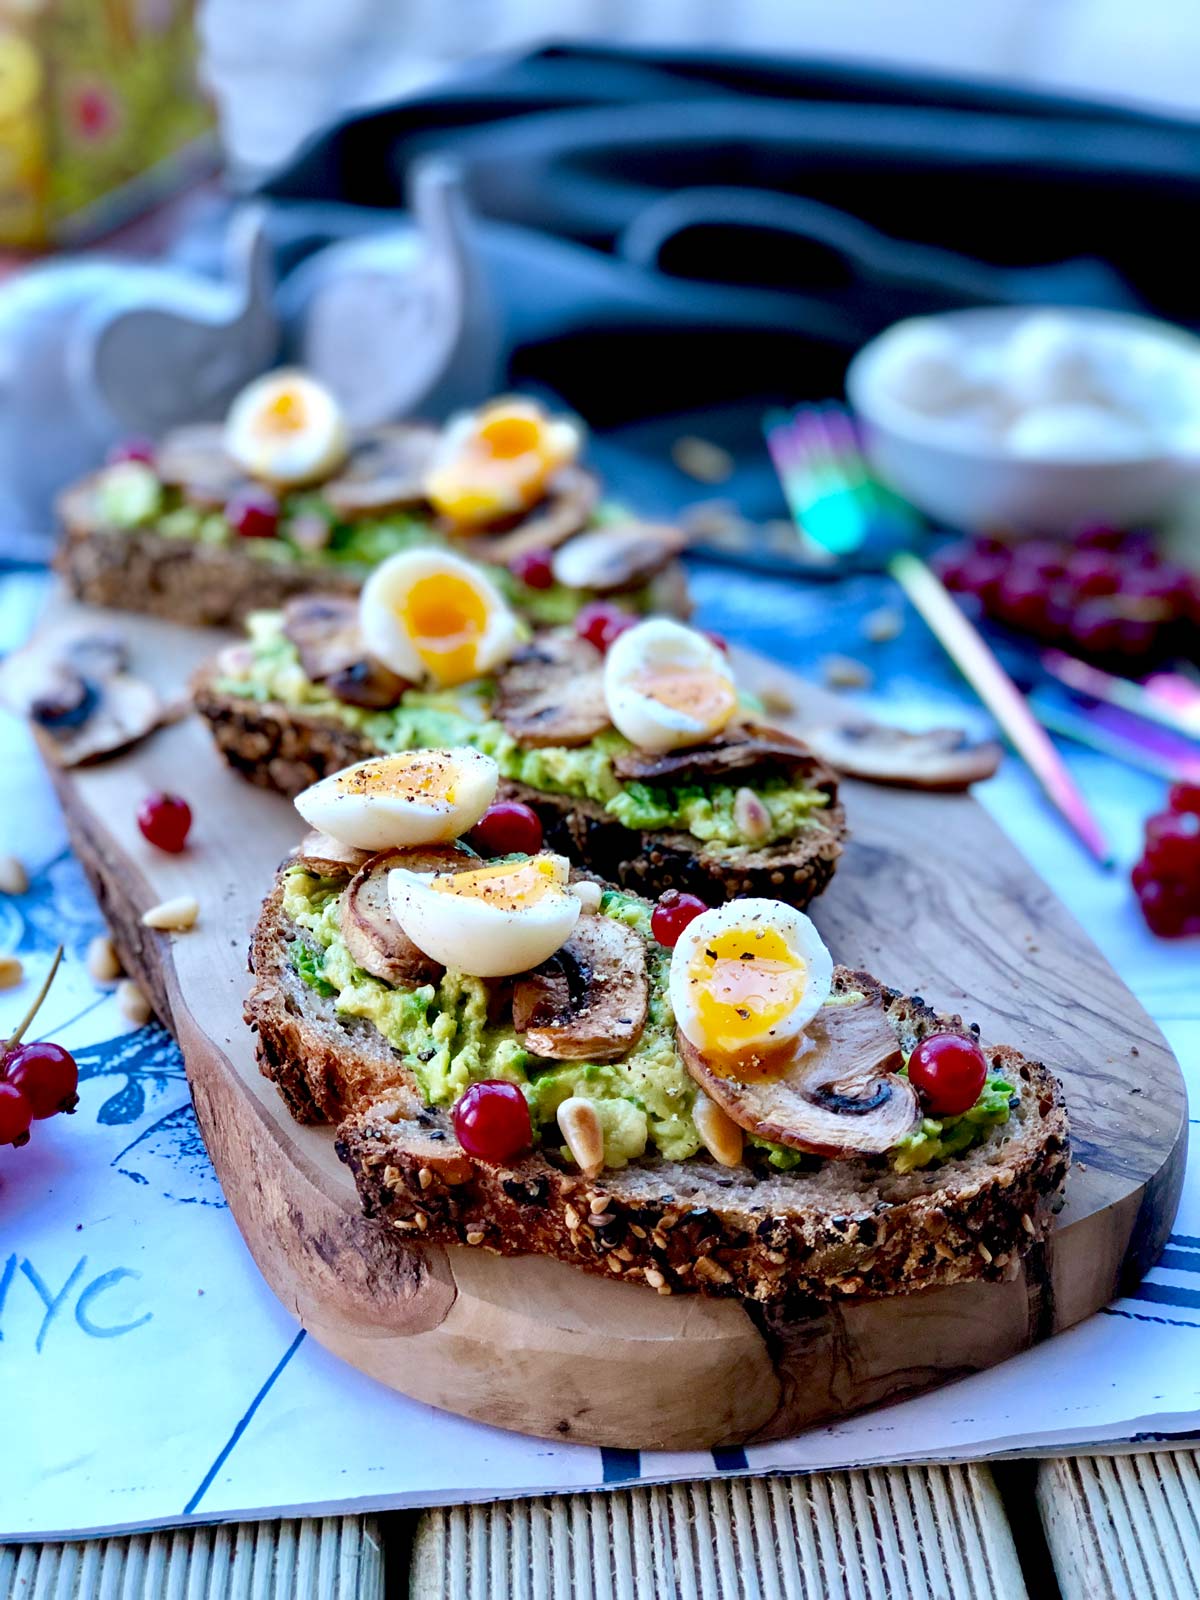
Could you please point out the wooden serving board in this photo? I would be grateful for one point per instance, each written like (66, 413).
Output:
(930, 896)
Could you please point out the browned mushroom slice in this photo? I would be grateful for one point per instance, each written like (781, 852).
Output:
(840, 1097)
(375, 940)
(589, 1001)
(939, 758)
(325, 631)
(570, 498)
(83, 715)
(386, 472)
(193, 459)
(552, 692)
(620, 556)
(740, 752)
(327, 857)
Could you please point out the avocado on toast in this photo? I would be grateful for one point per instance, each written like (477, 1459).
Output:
(705, 1181)
(749, 811)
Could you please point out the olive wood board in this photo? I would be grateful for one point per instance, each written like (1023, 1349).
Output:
(930, 896)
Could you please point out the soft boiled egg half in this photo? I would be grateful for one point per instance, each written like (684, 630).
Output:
(495, 462)
(667, 686)
(416, 797)
(489, 922)
(431, 616)
(287, 429)
(746, 978)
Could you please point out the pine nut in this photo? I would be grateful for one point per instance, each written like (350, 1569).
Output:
(13, 877)
(133, 1002)
(11, 972)
(103, 962)
(579, 1125)
(723, 1139)
(173, 916)
(654, 1278)
(587, 893)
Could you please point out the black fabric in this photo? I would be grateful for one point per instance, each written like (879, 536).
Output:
(665, 233)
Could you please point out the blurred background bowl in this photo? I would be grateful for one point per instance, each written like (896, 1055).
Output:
(963, 479)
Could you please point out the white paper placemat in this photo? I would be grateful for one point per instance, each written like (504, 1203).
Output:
(148, 1375)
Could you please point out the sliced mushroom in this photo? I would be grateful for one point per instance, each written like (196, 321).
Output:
(737, 754)
(552, 692)
(589, 1001)
(620, 556)
(328, 857)
(84, 714)
(939, 758)
(376, 942)
(570, 498)
(325, 631)
(193, 459)
(386, 471)
(839, 1097)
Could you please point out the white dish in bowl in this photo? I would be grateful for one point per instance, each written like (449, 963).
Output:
(1032, 420)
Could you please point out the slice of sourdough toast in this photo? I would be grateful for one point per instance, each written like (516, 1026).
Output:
(287, 748)
(835, 1228)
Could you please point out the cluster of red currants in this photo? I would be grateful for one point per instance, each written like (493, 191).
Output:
(37, 1080)
(1167, 878)
(1105, 595)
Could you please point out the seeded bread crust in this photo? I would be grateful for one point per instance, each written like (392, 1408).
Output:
(284, 748)
(204, 585)
(845, 1228)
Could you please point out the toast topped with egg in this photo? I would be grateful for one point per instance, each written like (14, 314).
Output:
(642, 763)
(219, 520)
(522, 1059)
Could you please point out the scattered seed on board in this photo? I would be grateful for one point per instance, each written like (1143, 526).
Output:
(702, 460)
(883, 625)
(103, 962)
(11, 972)
(133, 1002)
(13, 877)
(173, 916)
(844, 672)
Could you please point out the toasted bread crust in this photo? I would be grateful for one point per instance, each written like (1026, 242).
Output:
(847, 1228)
(279, 747)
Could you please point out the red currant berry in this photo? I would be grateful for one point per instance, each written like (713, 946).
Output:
(253, 514)
(1092, 573)
(15, 1115)
(1141, 875)
(672, 914)
(1021, 600)
(1167, 908)
(164, 820)
(600, 622)
(981, 577)
(1095, 628)
(491, 1120)
(717, 639)
(1099, 536)
(948, 1071)
(1040, 558)
(1173, 844)
(507, 828)
(132, 450)
(46, 1075)
(1184, 797)
(534, 568)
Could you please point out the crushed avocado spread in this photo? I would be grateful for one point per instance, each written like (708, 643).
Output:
(131, 496)
(461, 716)
(644, 1100)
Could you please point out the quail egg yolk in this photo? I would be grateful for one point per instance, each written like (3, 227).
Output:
(744, 982)
(496, 463)
(445, 617)
(412, 775)
(703, 696)
(505, 886)
(285, 413)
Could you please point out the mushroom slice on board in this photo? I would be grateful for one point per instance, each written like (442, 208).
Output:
(72, 689)
(374, 938)
(619, 556)
(588, 1002)
(386, 472)
(325, 631)
(839, 1097)
(552, 692)
(193, 459)
(938, 758)
(570, 498)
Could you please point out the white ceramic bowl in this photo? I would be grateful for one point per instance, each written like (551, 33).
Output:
(977, 483)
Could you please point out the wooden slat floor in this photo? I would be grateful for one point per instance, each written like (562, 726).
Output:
(1124, 1527)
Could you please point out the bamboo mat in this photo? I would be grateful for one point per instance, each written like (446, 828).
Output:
(1124, 1526)
(873, 1535)
(331, 1558)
